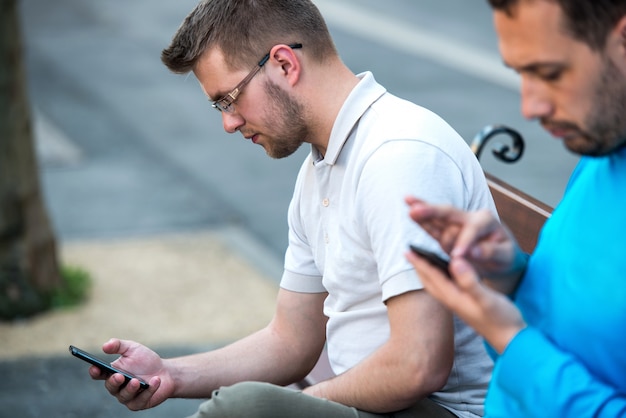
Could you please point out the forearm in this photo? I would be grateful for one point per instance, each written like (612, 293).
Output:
(258, 357)
(414, 362)
(387, 381)
(282, 353)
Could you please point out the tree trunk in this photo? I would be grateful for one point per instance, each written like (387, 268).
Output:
(29, 268)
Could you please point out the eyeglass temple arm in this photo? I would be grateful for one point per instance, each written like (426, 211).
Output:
(233, 94)
(267, 56)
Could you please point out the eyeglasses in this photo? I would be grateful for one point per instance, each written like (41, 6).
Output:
(225, 103)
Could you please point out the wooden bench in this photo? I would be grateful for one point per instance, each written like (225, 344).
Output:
(520, 212)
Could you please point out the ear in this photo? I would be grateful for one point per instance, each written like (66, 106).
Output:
(619, 32)
(286, 63)
(615, 47)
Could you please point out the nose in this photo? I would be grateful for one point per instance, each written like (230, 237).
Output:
(535, 99)
(232, 122)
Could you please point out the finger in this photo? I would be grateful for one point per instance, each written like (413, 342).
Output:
(433, 230)
(143, 399)
(436, 217)
(127, 392)
(470, 284)
(420, 211)
(412, 200)
(115, 346)
(114, 384)
(422, 214)
(448, 237)
(465, 275)
(97, 374)
(438, 284)
(432, 220)
(112, 346)
(477, 226)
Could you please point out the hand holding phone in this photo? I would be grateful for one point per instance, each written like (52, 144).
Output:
(104, 366)
(432, 258)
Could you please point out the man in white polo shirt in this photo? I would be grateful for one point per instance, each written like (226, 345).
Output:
(346, 282)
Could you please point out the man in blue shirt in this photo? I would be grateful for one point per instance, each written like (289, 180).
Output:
(559, 333)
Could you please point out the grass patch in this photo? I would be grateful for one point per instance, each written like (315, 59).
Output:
(75, 289)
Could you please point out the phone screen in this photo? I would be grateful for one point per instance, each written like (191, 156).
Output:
(104, 366)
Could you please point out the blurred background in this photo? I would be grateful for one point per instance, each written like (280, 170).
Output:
(157, 153)
(127, 149)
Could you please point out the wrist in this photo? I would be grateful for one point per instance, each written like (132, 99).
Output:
(170, 370)
(503, 337)
(507, 282)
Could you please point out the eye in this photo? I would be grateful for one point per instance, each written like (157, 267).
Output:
(550, 75)
(223, 105)
(227, 105)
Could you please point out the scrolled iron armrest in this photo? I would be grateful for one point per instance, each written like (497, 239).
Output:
(506, 153)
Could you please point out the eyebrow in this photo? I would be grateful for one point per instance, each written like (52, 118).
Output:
(536, 67)
(208, 96)
(222, 93)
(218, 96)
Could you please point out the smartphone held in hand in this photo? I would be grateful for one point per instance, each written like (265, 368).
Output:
(104, 366)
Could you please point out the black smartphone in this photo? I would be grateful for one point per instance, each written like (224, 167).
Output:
(104, 366)
(432, 258)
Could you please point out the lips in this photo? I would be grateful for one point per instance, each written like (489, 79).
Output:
(252, 138)
(559, 130)
(556, 132)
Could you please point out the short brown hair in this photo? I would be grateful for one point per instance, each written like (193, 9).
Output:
(244, 30)
(588, 21)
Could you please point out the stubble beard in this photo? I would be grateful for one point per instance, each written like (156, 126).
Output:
(607, 120)
(285, 116)
(605, 125)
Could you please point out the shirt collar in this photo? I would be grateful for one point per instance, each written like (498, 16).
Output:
(364, 94)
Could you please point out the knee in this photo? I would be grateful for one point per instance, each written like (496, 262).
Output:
(248, 392)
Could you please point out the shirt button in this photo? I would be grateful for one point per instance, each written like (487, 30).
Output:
(326, 202)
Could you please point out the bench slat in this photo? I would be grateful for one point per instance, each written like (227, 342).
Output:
(522, 214)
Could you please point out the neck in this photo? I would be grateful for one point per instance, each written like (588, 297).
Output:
(327, 91)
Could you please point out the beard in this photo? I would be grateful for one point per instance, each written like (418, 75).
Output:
(285, 116)
(605, 125)
(608, 118)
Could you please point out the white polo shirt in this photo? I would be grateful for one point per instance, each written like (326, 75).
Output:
(349, 226)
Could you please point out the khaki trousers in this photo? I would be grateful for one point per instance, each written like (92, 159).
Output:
(263, 400)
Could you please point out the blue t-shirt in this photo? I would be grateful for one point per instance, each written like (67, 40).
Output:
(571, 359)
